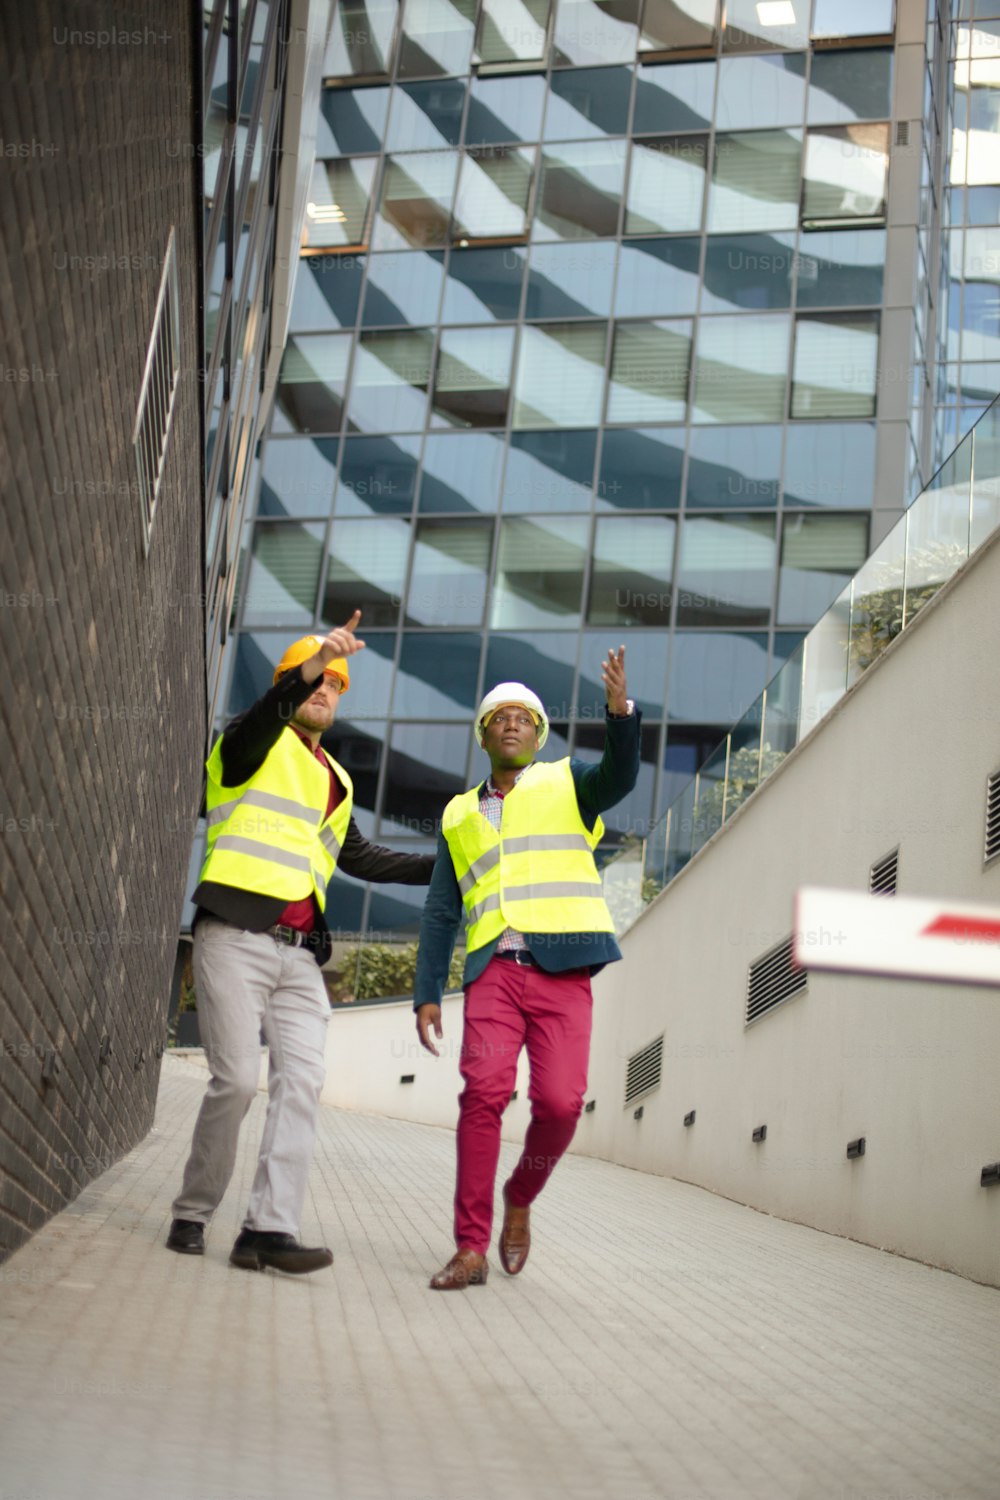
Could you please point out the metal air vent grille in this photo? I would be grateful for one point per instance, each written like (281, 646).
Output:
(882, 878)
(992, 816)
(773, 978)
(644, 1069)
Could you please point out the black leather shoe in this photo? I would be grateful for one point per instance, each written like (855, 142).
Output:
(187, 1237)
(256, 1249)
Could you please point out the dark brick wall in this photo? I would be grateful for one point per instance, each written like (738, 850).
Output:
(102, 716)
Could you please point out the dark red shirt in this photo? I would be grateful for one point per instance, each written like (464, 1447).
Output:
(302, 914)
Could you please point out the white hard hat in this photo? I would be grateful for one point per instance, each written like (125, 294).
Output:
(513, 692)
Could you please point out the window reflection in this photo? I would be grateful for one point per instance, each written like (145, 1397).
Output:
(714, 677)
(678, 25)
(422, 690)
(580, 190)
(846, 174)
(298, 476)
(733, 467)
(539, 576)
(677, 96)
(836, 364)
(588, 102)
(337, 210)
(830, 464)
(589, 31)
(512, 31)
(560, 374)
(846, 86)
(493, 190)
(310, 391)
(403, 287)
(844, 267)
(836, 18)
(742, 369)
(377, 474)
(754, 27)
(426, 115)
(641, 470)
(646, 658)
(543, 660)
(819, 556)
(366, 571)
(327, 290)
(351, 121)
(451, 564)
(666, 187)
(437, 37)
(633, 814)
(751, 271)
(427, 767)
(548, 471)
(757, 92)
(570, 281)
(415, 206)
(657, 277)
(283, 574)
(649, 372)
(361, 39)
(482, 284)
(505, 109)
(633, 563)
(391, 375)
(755, 181)
(472, 384)
(461, 472)
(726, 573)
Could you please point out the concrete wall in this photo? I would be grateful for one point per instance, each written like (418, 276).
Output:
(102, 647)
(910, 1066)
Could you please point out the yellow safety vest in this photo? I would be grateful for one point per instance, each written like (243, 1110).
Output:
(271, 835)
(538, 873)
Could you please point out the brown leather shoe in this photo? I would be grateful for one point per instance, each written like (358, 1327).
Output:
(466, 1268)
(515, 1236)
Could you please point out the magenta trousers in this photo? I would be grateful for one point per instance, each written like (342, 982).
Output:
(508, 1007)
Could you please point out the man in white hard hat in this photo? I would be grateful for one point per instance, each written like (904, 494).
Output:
(515, 857)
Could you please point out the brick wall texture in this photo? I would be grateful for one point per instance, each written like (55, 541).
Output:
(102, 715)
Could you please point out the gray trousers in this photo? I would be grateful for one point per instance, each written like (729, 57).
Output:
(247, 982)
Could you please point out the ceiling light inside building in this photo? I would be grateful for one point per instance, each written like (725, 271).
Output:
(775, 12)
(326, 213)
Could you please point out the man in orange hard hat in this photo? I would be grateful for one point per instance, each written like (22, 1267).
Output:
(279, 824)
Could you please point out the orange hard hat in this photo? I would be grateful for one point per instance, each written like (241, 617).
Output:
(301, 650)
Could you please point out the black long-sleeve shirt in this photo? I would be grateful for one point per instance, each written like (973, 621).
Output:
(246, 743)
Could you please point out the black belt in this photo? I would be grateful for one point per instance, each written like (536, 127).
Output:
(518, 956)
(292, 935)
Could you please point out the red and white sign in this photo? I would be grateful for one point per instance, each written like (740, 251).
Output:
(958, 941)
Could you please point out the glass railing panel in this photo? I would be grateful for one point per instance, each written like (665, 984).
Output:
(824, 672)
(877, 606)
(985, 440)
(708, 813)
(782, 712)
(937, 533)
(622, 881)
(681, 835)
(743, 771)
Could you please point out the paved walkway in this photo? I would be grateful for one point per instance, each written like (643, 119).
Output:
(661, 1343)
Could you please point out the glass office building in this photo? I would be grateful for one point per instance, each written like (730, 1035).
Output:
(616, 320)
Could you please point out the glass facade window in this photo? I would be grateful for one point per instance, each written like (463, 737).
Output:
(472, 383)
(758, 92)
(505, 109)
(647, 656)
(713, 676)
(650, 366)
(483, 284)
(436, 37)
(642, 469)
(560, 375)
(366, 570)
(377, 474)
(392, 372)
(755, 182)
(361, 41)
(493, 188)
(549, 471)
(404, 286)
(742, 369)
(587, 102)
(819, 556)
(734, 467)
(448, 584)
(570, 281)
(415, 206)
(726, 572)
(461, 472)
(846, 174)
(657, 277)
(844, 268)
(579, 191)
(423, 690)
(836, 365)
(512, 31)
(675, 96)
(545, 658)
(748, 271)
(590, 31)
(830, 464)
(327, 292)
(631, 572)
(311, 383)
(426, 766)
(666, 188)
(848, 86)
(757, 26)
(678, 25)
(284, 574)
(839, 18)
(426, 116)
(298, 477)
(338, 209)
(539, 576)
(351, 121)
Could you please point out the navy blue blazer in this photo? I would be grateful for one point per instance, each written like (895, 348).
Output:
(598, 787)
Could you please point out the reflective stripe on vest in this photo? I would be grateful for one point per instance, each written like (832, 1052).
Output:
(271, 835)
(520, 877)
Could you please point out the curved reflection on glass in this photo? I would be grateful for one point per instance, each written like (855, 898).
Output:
(845, 86)
(426, 768)
(587, 102)
(512, 31)
(733, 467)
(361, 38)
(310, 391)
(846, 174)
(842, 268)
(448, 581)
(666, 186)
(377, 474)
(642, 469)
(579, 191)
(676, 96)
(283, 574)
(713, 675)
(350, 121)
(830, 464)
(327, 291)
(392, 372)
(742, 369)
(657, 277)
(560, 375)
(755, 181)
(505, 109)
(403, 286)
(366, 571)
(596, 31)
(461, 472)
(836, 365)
(819, 555)
(493, 189)
(337, 212)
(436, 37)
(750, 271)
(633, 564)
(539, 576)
(726, 575)
(472, 381)
(425, 116)
(483, 284)
(758, 92)
(422, 690)
(567, 281)
(544, 660)
(649, 372)
(415, 204)
(548, 471)
(298, 476)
